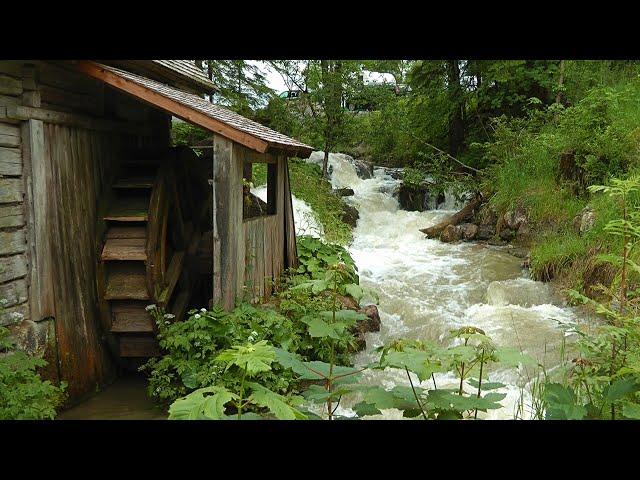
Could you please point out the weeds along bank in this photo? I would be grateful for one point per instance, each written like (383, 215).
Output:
(541, 168)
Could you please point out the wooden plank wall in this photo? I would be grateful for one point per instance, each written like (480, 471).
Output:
(13, 232)
(78, 164)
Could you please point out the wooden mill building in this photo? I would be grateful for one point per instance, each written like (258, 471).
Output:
(100, 216)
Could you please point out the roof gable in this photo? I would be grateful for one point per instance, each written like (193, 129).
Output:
(197, 110)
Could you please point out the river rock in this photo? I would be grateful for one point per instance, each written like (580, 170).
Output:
(507, 234)
(451, 233)
(515, 218)
(343, 192)
(395, 173)
(363, 168)
(413, 198)
(585, 220)
(350, 215)
(372, 323)
(485, 232)
(469, 230)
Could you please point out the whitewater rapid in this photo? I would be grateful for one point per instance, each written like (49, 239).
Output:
(428, 288)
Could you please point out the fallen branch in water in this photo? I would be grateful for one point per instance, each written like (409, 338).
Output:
(454, 219)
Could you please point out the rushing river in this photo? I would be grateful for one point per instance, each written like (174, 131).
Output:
(428, 288)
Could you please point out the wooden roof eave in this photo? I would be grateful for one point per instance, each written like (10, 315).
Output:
(173, 107)
(289, 150)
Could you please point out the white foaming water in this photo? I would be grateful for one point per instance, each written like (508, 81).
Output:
(428, 288)
(305, 219)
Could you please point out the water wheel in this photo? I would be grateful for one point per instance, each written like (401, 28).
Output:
(153, 223)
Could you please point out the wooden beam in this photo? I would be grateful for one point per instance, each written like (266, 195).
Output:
(22, 113)
(173, 107)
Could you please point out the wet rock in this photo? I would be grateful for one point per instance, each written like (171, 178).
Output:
(585, 220)
(350, 215)
(523, 230)
(451, 233)
(469, 230)
(485, 232)
(507, 234)
(363, 168)
(395, 173)
(413, 198)
(372, 323)
(343, 192)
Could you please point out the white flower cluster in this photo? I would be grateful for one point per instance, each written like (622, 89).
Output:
(148, 308)
(252, 336)
(17, 316)
(3, 301)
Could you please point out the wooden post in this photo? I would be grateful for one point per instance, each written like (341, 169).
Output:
(37, 181)
(227, 220)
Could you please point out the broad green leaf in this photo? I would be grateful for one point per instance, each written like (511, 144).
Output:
(416, 361)
(354, 290)
(320, 328)
(512, 357)
(561, 403)
(254, 358)
(277, 404)
(631, 410)
(204, 403)
(620, 388)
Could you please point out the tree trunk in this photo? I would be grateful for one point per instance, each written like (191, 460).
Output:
(456, 119)
(560, 82)
(454, 219)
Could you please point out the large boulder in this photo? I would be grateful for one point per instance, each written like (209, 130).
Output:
(451, 233)
(485, 232)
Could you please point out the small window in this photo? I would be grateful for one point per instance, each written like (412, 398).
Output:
(259, 189)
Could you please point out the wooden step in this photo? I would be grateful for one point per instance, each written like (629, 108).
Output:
(126, 281)
(127, 232)
(129, 209)
(138, 346)
(135, 182)
(127, 249)
(130, 317)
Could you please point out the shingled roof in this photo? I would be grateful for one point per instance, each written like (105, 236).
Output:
(197, 110)
(183, 74)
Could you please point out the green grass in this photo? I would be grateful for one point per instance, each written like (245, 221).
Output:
(307, 184)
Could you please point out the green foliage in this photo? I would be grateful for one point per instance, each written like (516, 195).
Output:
(315, 256)
(307, 184)
(468, 356)
(183, 133)
(23, 394)
(192, 347)
(605, 378)
(250, 360)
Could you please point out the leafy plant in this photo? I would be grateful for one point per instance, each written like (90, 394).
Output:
(247, 361)
(23, 394)
(605, 378)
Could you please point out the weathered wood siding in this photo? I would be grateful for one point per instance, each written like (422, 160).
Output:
(249, 256)
(13, 232)
(54, 172)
